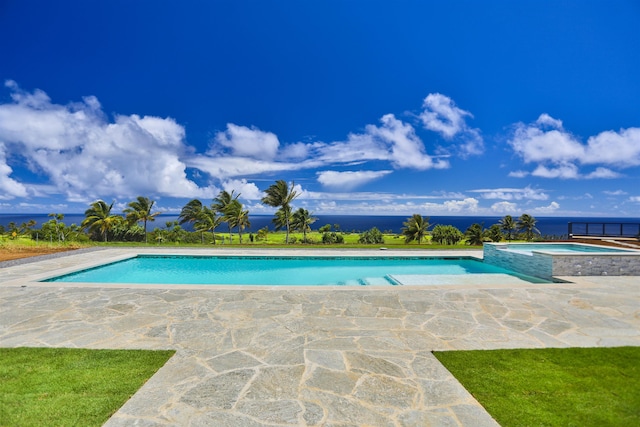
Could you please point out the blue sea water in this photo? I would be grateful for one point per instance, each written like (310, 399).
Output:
(548, 226)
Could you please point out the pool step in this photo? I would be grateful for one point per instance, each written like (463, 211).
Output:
(378, 281)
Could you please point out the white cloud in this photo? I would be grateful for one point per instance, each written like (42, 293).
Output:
(601, 172)
(350, 179)
(222, 167)
(246, 190)
(407, 150)
(393, 141)
(9, 187)
(468, 205)
(85, 156)
(547, 120)
(518, 174)
(614, 148)
(558, 152)
(563, 171)
(504, 208)
(248, 142)
(441, 115)
(634, 199)
(616, 193)
(570, 171)
(526, 193)
(552, 207)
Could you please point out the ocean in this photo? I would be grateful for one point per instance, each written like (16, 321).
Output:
(548, 226)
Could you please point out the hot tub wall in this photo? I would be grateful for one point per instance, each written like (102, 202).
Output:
(596, 265)
(546, 266)
(540, 265)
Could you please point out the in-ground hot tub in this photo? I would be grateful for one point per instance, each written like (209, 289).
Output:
(549, 260)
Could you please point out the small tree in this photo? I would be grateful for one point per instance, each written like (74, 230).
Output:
(302, 220)
(371, 237)
(325, 228)
(280, 195)
(475, 235)
(508, 225)
(99, 220)
(494, 233)
(140, 210)
(415, 228)
(446, 235)
(527, 224)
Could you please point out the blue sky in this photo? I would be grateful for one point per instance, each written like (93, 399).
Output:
(370, 107)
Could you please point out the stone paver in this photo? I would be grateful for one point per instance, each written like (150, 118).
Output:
(286, 356)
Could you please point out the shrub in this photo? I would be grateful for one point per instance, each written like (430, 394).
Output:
(330, 238)
(446, 235)
(371, 237)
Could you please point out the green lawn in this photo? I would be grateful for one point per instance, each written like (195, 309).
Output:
(68, 387)
(552, 387)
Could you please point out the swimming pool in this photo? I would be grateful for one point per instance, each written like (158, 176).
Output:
(287, 271)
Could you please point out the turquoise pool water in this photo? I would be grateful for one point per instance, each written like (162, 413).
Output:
(310, 271)
(573, 248)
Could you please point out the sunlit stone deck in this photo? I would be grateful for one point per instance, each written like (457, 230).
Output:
(284, 356)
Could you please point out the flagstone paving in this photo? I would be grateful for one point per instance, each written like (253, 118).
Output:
(286, 356)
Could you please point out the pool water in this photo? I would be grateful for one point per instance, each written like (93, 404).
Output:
(310, 271)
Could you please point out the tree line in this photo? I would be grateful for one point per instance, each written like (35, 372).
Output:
(101, 224)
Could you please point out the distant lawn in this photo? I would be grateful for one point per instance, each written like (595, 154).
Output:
(64, 387)
(552, 387)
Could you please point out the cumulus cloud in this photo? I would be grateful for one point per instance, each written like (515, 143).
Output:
(616, 193)
(504, 208)
(248, 142)
(526, 193)
(85, 156)
(350, 179)
(558, 152)
(634, 199)
(393, 141)
(9, 187)
(468, 205)
(552, 207)
(246, 190)
(440, 114)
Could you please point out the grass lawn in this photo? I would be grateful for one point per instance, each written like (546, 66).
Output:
(64, 387)
(552, 387)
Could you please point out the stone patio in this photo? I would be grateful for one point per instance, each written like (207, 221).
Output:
(304, 356)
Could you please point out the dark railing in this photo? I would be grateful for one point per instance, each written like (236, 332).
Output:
(604, 229)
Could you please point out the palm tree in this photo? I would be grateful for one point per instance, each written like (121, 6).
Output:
(57, 217)
(280, 218)
(475, 235)
(302, 220)
(221, 205)
(237, 216)
(280, 195)
(207, 220)
(527, 223)
(190, 213)
(98, 218)
(140, 210)
(508, 225)
(415, 228)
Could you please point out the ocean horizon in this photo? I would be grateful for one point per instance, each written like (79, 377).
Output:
(548, 226)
